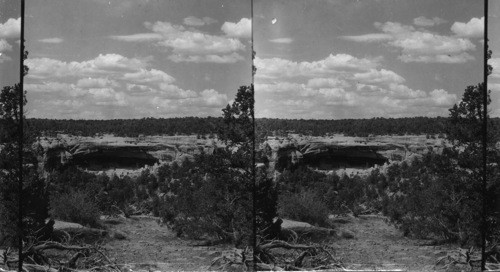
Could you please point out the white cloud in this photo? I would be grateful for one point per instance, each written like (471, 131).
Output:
(472, 29)
(4, 58)
(277, 67)
(460, 58)
(173, 92)
(102, 64)
(275, 101)
(400, 91)
(495, 64)
(373, 37)
(148, 76)
(194, 21)
(231, 58)
(140, 37)
(213, 98)
(189, 45)
(423, 21)
(420, 45)
(378, 76)
(95, 83)
(241, 29)
(317, 83)
(51, 40)
(442, 98)
(282, 40)
(11, 28)
(494, 87)
(340, 86)
(5, 46)
(103, 88)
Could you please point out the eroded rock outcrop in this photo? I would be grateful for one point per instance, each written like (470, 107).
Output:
(344, 152)
(97, 154)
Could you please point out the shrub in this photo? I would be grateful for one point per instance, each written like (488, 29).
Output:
(305, 206)
(433, 197)
(75, 207)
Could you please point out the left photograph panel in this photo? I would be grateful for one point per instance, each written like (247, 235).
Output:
(140, 123)
(10, 124)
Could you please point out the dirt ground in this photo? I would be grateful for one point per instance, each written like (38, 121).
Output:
(376, 246)
(380, 246)
(151, 247)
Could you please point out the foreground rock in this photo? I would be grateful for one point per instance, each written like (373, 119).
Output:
(306, 231)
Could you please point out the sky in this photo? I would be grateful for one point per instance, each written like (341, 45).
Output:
(494, 45)
(10, 32)
(113, 59)
(321, 59)
(337, 59)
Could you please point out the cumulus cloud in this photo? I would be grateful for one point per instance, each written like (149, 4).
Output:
(96, 83)
(102, 64)
(277, 67)
(194, 21)
(420, 45)
(11, 28)
(148, 76)
(140, 37)
(186, 41)
(378, 76)
(340, 86)
(4, 45)
(373, 37)
(4, 58)
(213, 98)
(317, 83)
(282, 40)
(8, 30)
(495, 64)
(241, 29)
(112, 86)
(278, 101)
(423, 21)
(188, 45)
(472, 29)
(51, 40)
(231, 58)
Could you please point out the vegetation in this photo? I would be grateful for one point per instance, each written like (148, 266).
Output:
(209, 126)
(35, 206)
(75, 207)
(222, 197)
(213, 195)
(128, 127)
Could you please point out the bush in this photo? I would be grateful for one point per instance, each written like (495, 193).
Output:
(305, 206)
(208, 198)
(75, 207)
(433, 198)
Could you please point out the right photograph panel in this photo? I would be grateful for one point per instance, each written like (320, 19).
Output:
(369, 124)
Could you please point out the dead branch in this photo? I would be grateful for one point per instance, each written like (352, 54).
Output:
(298, 261)
(72, 262)
(38, 268)
(319, 256)
(54, 245)
(282, 244)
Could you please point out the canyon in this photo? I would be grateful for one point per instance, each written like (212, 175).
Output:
(336, 152)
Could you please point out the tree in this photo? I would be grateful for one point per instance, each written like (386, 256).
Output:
(213, 195)
(35, 208)
(9, 135)
(466, 130)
